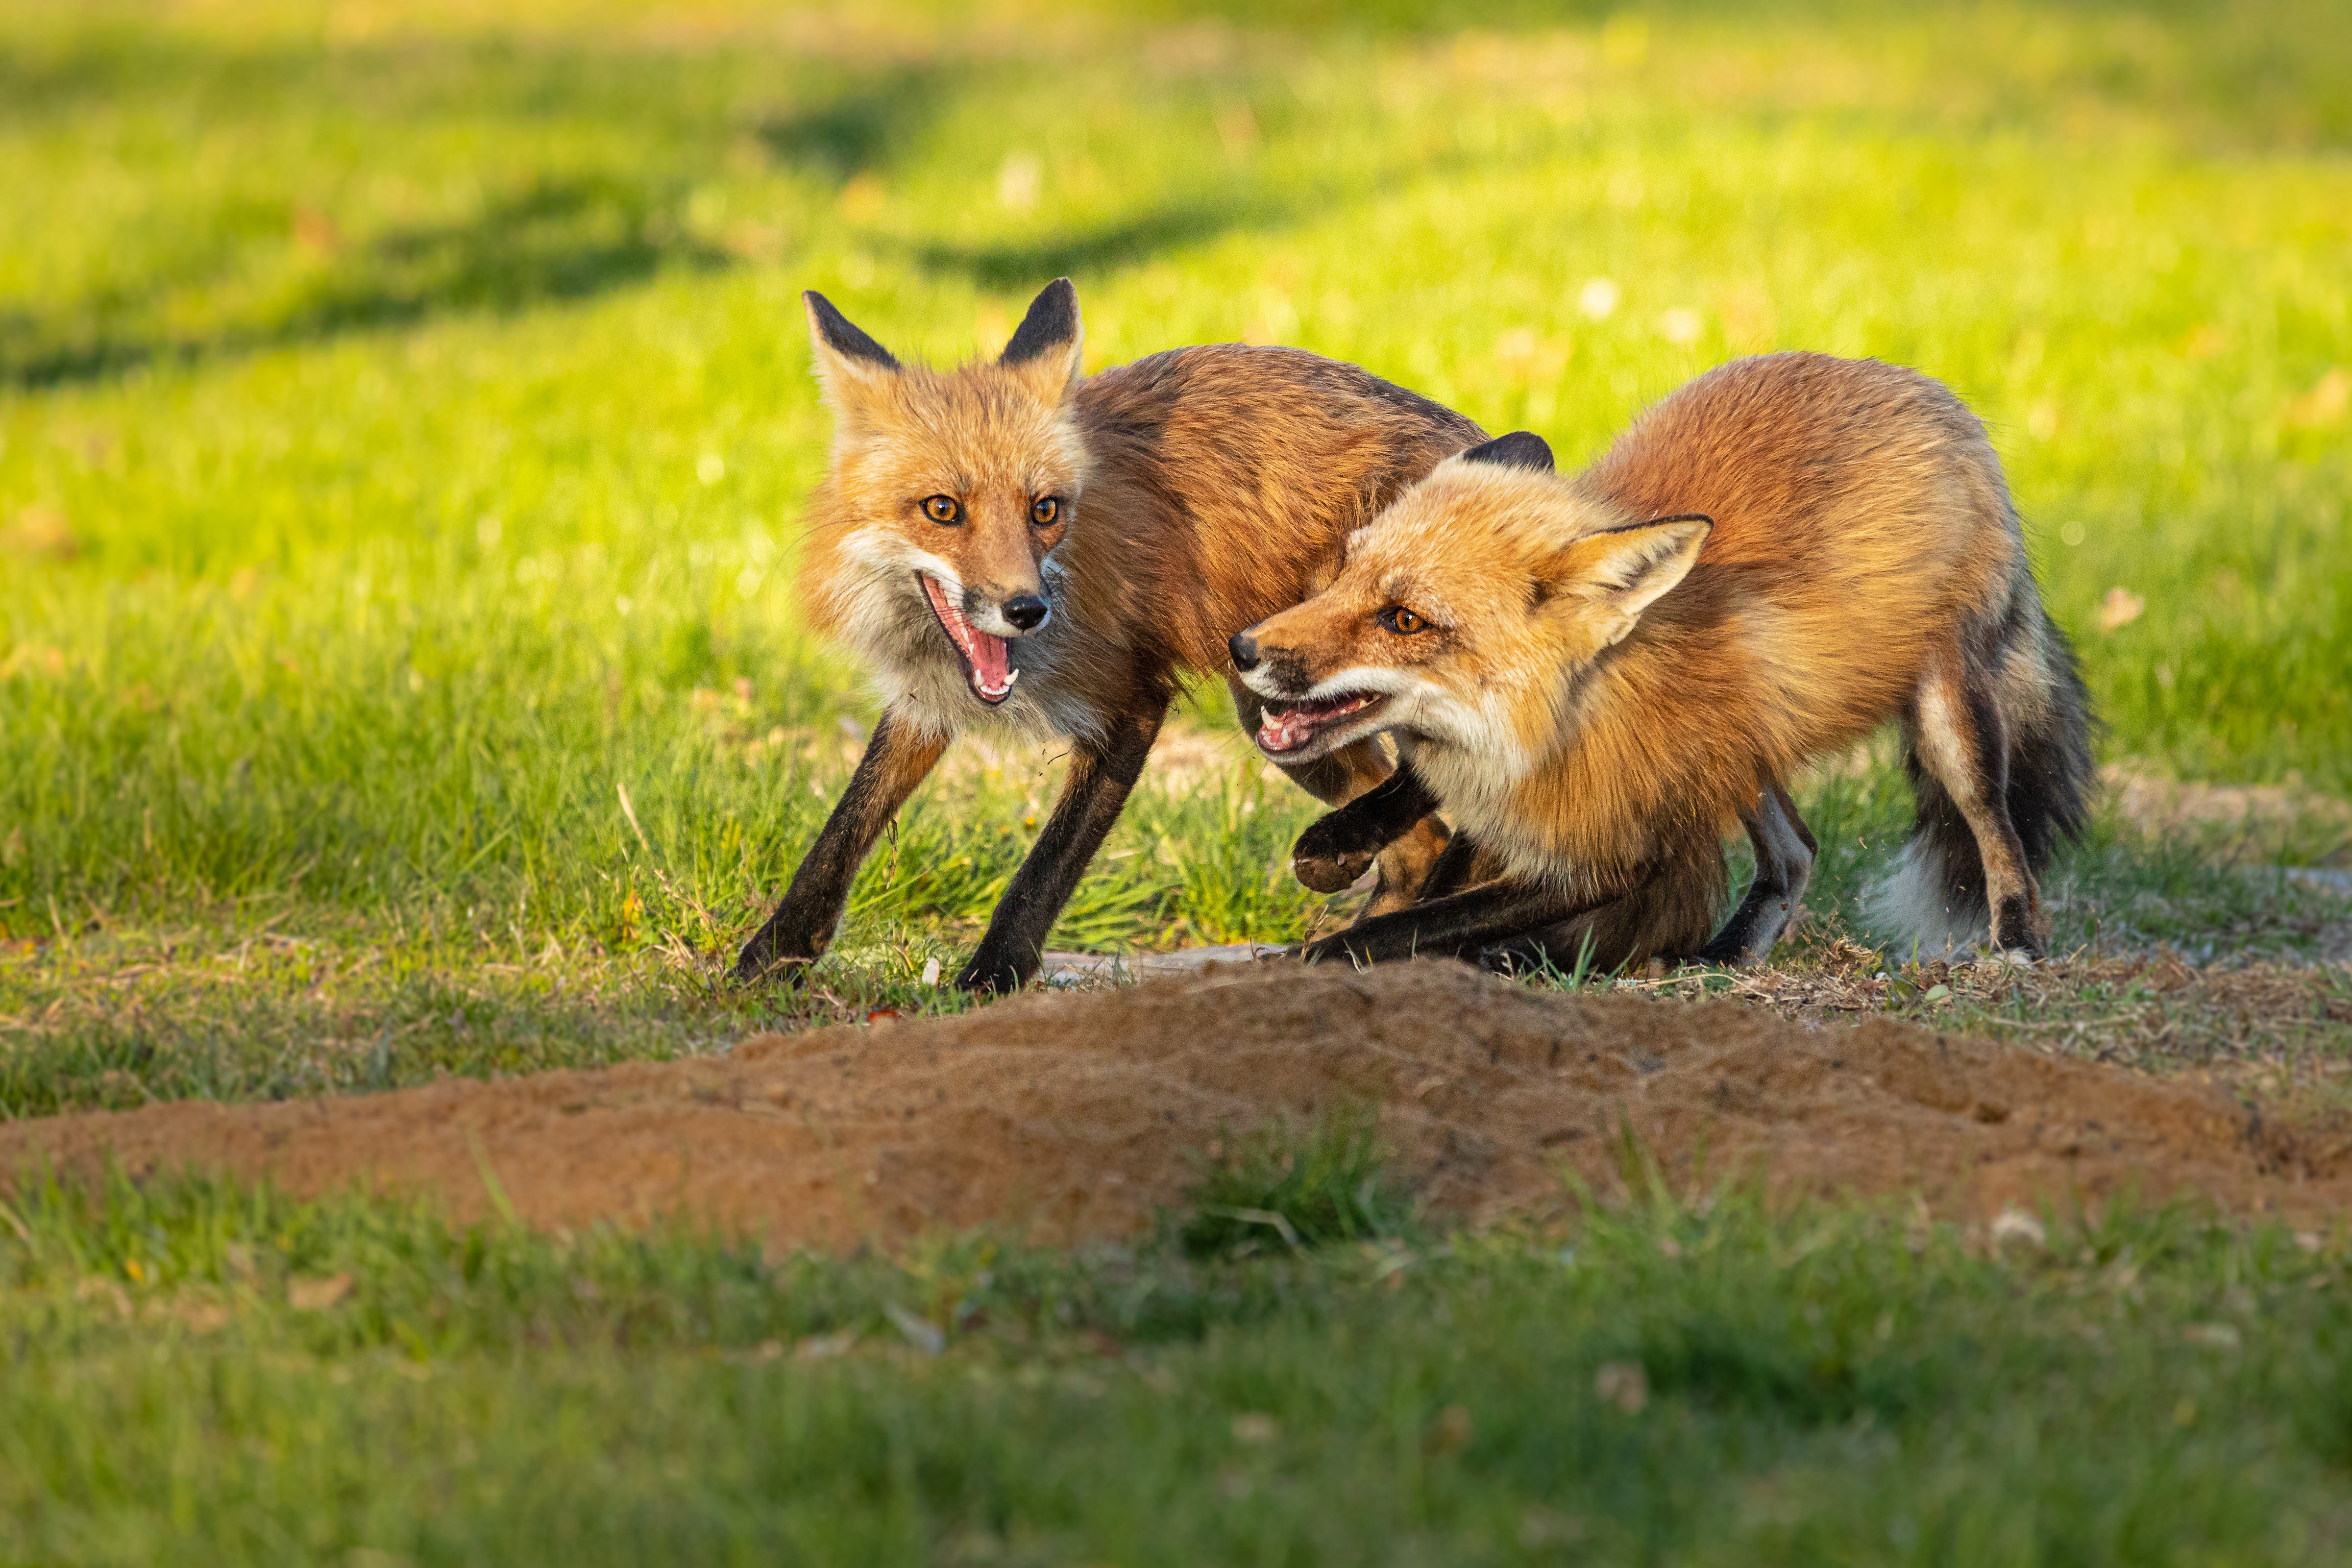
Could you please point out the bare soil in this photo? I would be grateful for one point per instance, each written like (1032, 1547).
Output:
(1077, 1115)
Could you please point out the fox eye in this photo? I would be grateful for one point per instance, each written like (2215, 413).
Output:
(1046, 510)
(1401, 621)
(943, 509)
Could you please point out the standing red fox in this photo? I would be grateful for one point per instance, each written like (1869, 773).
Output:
(1010, 542)
(1597, 676)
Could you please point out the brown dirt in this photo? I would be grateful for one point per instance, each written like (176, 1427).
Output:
(1075, 1115)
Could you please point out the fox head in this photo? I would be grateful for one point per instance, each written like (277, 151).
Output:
(947, 492)
(1464, 613)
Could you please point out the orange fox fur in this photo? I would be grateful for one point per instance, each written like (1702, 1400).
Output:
(1012, 543)
(1598, 676)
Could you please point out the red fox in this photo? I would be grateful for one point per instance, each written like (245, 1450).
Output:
(1010, 542)
(1596, 676)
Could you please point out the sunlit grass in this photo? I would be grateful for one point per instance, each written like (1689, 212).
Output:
(402, 420)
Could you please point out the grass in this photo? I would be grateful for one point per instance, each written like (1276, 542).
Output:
(404, 419)
(398, 432)
(404, 422)
(1294, 1186)
(208, 1371)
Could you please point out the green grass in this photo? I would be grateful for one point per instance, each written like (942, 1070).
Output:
(395, 431)
(404, 422)
(199, 1371)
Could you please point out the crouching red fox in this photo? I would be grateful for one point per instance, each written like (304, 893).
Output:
(1597, 676)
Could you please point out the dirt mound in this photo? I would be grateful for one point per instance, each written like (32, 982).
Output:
(1074, 1115)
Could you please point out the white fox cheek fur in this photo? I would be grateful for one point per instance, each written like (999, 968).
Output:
(877, 606)
(873, 595)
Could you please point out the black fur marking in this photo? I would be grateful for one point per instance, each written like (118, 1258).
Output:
(1656, 523)
(1436, 415)
(2049, 767)
(1052, 323)
(1338, 846)
(1937, 821)
(1519, 449)
(1094, 794)
(2043, 774)
(1454, 926)
(1287, 670)
(1986, 729)
(1777, 882)
(842, 335)
(797, 933)
(2009, 927)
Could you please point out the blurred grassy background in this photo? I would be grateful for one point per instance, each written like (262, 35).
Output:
(404, 409)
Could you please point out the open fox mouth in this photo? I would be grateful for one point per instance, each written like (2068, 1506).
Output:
(987, 662)
(1283, 729)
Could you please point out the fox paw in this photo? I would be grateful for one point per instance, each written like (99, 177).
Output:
(1325, 862)
(1331, 873)
(783, 963)
(985, 974)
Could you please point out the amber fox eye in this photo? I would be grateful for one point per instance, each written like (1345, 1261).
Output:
(1046, 510)
(1401, 621)
(943, 509)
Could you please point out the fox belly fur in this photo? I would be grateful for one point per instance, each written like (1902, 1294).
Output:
(1598, 676)
(1012, 543)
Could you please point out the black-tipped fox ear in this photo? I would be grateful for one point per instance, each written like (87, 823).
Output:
(847, 361)
(1519, 449)
(1045, 349)
(839, 333)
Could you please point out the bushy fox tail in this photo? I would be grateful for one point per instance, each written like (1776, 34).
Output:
(1935, 895)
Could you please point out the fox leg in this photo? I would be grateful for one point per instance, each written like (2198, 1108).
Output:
(1454, 926)
(1092, 797)
(898, 757)
(1340, 845)
(1784, 865)
(1960, 738)
(1340, 778)
(1458, 866)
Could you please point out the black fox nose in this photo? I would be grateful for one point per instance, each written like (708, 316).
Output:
(1243, 649)
(1028, 611)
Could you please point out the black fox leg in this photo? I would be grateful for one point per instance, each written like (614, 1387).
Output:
(1343, 776)
(1092, 798)
(1670, 914)
(1960, 737)
(1454, 926)
(1784, 865)
(897, 757)
(1340, 846)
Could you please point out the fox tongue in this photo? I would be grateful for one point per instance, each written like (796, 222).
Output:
(1288, 729)
(1283, 731)
(990, 661)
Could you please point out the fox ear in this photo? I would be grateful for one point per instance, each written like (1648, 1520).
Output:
(848, 362)
(1519, 449)
(1045, 349)
(1618, 574)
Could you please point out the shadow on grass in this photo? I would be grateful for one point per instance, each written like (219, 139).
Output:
(1023, 263)
(552, 240)
(873, 124)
